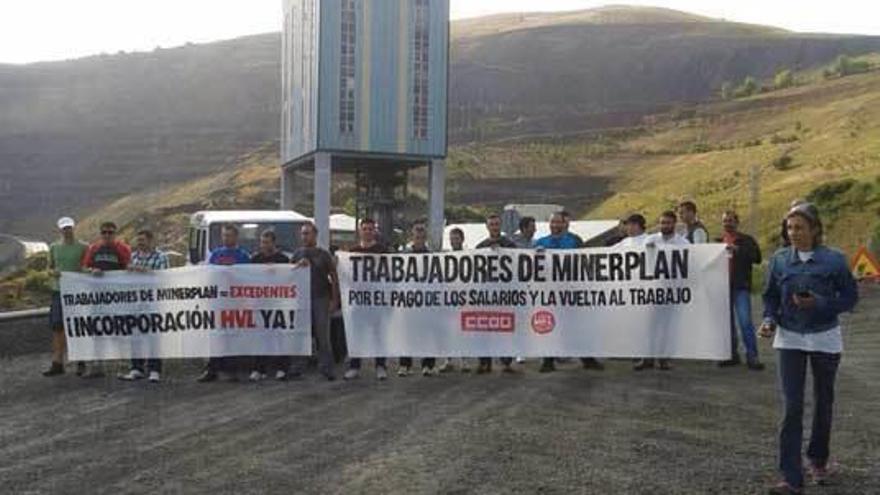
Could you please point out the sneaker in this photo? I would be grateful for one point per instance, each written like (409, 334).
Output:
(734, 361)
(255, 376)
(520, 360)
(80, 368)
(132, 375)
(207, 376)
(446, 366)
(783, 488)
(820, 475)
(381, 373)
(644, 364)
(94, 373)
(154, 377)
(426, 371)
(665, 365)
(592, 364)
(755, 365)
(403, 371)
(281, 375)
(354, 373)
(54, 370)
(329, 376)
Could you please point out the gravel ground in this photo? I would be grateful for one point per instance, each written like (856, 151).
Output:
(697, 429)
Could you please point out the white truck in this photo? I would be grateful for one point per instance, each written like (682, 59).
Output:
(205, 226)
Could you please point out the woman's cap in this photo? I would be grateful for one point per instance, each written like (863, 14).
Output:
(808, 210)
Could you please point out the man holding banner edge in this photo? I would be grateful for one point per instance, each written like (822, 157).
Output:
(325, 297)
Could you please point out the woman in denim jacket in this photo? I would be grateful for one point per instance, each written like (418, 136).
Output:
(808, 286)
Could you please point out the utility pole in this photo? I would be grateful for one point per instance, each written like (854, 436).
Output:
(754, 198)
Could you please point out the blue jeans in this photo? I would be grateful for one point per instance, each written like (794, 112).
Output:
(742, 309)
(792, 378)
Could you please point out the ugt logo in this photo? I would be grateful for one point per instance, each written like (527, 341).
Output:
(543, 322)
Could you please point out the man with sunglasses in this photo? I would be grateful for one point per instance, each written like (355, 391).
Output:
(106, 255)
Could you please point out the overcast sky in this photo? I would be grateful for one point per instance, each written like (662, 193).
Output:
(36, 30)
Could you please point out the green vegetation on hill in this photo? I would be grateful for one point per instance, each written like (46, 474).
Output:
(819, 141)
(27, 287)
(78, 134)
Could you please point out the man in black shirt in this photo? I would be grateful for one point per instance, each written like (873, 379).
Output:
(744, 252)
(419, 245)
(697, 233)
(495, 240)
(324, 292)
(368, 243)
(456, 241)
(260, 365)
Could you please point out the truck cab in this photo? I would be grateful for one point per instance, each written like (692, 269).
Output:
(205, 226)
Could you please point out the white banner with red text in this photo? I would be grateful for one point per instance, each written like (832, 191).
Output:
(203, 311)
(608, 302)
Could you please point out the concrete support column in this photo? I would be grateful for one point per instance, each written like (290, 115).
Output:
(289, 198)
(436, 203)
(323, 174)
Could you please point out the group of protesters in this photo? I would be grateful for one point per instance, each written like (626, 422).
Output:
(807, 287)
(110, 254)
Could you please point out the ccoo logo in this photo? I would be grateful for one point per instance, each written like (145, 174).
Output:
(488, 321)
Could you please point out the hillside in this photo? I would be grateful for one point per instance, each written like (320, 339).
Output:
(829, 131)
(78, 134)
(75, 135)
(819, 141)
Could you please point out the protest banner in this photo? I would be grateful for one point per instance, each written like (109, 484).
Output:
(655, 302)
(204, 311)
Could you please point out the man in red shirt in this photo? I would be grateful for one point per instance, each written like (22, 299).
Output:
(105, 255)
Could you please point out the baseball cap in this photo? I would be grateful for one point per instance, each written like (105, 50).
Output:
(807, 209)
(65, 222)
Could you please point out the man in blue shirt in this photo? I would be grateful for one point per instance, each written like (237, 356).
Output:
(561, 238)
(229, 253)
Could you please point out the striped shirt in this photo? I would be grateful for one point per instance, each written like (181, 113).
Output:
(154, 260)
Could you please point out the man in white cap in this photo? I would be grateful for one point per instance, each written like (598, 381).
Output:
(65, 255)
